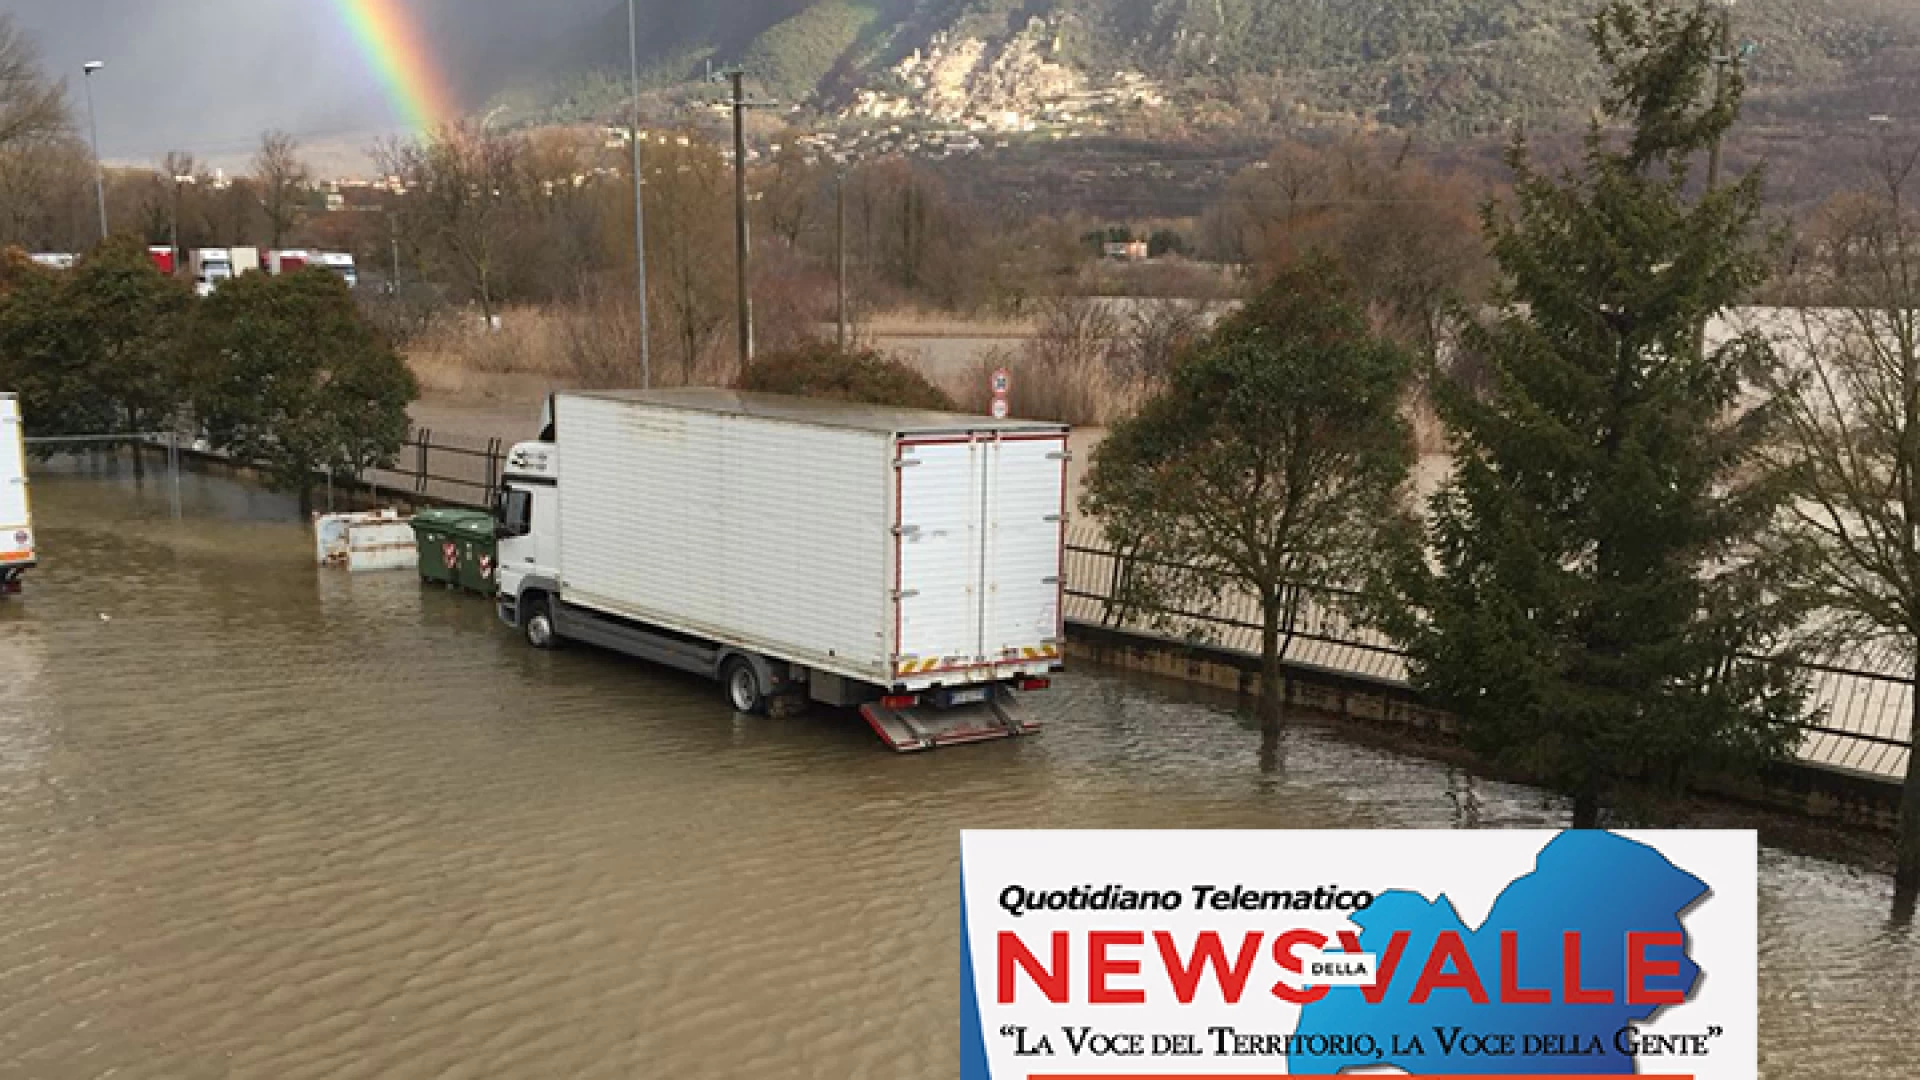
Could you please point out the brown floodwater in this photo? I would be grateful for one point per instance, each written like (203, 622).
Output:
(262, 820)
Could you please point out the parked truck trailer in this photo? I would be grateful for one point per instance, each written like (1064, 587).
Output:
(902, 561)
(16, 509)
(210, 267)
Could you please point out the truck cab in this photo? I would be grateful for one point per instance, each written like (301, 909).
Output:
(211, 266)
(340, 265)
(527, 519)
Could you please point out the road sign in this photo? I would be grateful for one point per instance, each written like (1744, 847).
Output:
(1002, 384)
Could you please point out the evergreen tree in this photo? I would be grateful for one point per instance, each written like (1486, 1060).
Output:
(292, 376)
(1590, 588)
(1271, 459)
(99, 349)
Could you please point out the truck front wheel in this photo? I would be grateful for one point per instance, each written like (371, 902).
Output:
(537, 622)
(743, 688)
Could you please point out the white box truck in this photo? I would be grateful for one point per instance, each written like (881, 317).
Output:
(16, 509)
(902, 561)
(209, 267)
(339, 264)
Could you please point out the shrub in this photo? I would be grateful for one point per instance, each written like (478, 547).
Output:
(821, 369)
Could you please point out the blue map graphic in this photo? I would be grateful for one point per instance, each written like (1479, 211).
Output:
(1597, 883)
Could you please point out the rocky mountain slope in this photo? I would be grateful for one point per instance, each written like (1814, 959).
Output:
(1456, 66)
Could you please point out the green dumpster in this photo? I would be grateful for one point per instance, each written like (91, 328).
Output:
(456, 547)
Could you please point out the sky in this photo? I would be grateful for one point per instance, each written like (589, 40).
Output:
(208, 76)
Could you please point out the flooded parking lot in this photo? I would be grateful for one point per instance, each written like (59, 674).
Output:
(257, 819)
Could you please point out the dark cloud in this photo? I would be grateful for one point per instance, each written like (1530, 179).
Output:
(209, 75)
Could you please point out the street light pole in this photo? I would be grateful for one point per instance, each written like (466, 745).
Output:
(639, 197)
(93, 125)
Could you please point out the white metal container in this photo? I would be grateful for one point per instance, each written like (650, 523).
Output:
(16, 508)
(367, 541)
(898, 547)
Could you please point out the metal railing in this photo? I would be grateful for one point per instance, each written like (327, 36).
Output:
(167, 440)
(444, 471)
(1862, 703)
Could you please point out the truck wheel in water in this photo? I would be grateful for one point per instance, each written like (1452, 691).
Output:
(742, 685)
(537, 624)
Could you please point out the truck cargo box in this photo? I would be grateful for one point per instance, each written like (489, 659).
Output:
(901, 548)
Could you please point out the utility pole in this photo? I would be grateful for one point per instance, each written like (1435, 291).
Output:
(639, 196)
(393, 237)
(840, 213)
(741, 241)
(736, 77)
(1721, 63)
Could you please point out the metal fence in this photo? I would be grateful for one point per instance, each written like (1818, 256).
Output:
(426, 470)
(444, 471)
(164, 440)
(1861, 704)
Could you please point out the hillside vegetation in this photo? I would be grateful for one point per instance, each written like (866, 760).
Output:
(1457, 65)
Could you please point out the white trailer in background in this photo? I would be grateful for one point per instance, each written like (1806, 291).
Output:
(209, 267)
(16, 509)
(902, 561)
(340, 265)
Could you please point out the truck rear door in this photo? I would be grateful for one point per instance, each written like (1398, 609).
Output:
(1025, 482)
(980, 534)
(939, 543)
(16, 520)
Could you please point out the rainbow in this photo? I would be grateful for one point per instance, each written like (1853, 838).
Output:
(391, 39)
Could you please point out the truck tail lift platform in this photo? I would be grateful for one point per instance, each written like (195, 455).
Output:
(904, 723)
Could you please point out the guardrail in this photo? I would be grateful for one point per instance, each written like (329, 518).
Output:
(1862, 703)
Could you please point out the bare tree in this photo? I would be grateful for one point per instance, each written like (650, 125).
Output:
(1160, 332)
(570, 234)
(39, 157)
(688, 222)
(1854, 449)
(46, 195)
(1409, 236)
(283, 180)
(463, 193)
(793, 197)
(33, 108)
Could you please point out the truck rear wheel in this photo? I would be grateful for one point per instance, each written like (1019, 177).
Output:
(742, 685)
(537, 622)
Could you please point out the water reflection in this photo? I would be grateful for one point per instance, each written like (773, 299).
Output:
(269, 820)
